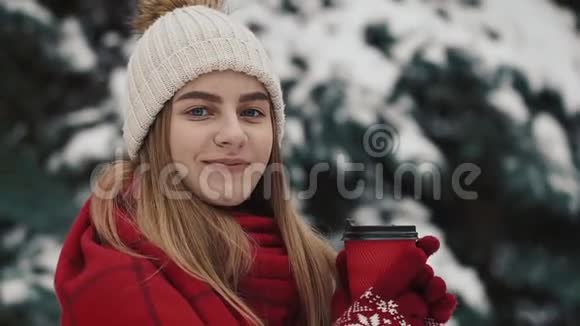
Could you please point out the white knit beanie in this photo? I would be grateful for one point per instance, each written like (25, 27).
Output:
(180, 46)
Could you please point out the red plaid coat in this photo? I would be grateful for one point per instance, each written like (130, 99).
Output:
(97, 285)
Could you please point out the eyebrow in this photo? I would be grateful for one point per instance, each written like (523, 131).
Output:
(254, 96)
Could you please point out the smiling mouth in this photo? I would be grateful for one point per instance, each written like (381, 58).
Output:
(223, 163)
(232, 167)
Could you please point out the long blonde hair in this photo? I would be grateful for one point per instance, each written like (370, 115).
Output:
(204, 240)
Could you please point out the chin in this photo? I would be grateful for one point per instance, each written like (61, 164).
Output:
(225, 202)
(236, 198)
(216, 194)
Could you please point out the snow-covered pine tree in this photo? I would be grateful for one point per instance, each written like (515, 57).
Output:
(58, 118)
(487, 82)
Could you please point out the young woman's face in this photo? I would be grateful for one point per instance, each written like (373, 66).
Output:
(221, 133)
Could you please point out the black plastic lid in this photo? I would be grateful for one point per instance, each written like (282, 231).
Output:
(379, 232)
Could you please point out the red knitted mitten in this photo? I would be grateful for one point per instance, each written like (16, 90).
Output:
(390, 301)
(395, 298)
(433, 288)
(407, 293)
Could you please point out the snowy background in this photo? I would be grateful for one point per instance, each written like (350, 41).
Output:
(488, 83)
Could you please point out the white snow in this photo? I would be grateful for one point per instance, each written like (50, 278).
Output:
(118, 89)
(85, 116)
(413, 146)
(13, 238)
(551, 140)
(294, 132)
(361, 105)
(112, 39)
(366, 215)
(98, 143)
(41, 253)
(332, 44)
(15, 291)
(547, 53)
(510, 102)
(28, 7)
(74, 46)
(129, 46)
(48, 250)
(101, 141)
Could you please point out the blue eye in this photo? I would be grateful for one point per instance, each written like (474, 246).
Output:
(258, 113)
(197, 111)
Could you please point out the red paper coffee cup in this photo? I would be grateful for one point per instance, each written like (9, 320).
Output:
(370, 249)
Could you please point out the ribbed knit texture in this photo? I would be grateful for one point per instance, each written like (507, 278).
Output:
(270, 288)
(181, 46)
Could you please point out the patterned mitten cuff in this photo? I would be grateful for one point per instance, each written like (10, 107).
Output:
(371, 309)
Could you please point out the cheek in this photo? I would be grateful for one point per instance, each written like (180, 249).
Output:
(184, 141)
(262, 142)
(266, 150)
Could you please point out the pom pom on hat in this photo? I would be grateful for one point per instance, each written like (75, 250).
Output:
(150, 10)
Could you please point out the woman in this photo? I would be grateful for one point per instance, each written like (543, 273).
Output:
(196, 227)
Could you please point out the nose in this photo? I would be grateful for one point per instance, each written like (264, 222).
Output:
(231, 133)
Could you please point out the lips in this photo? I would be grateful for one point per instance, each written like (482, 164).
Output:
(229, 163)
(232, 165)
(226, 164)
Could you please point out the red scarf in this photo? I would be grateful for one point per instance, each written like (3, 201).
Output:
(98, 285)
